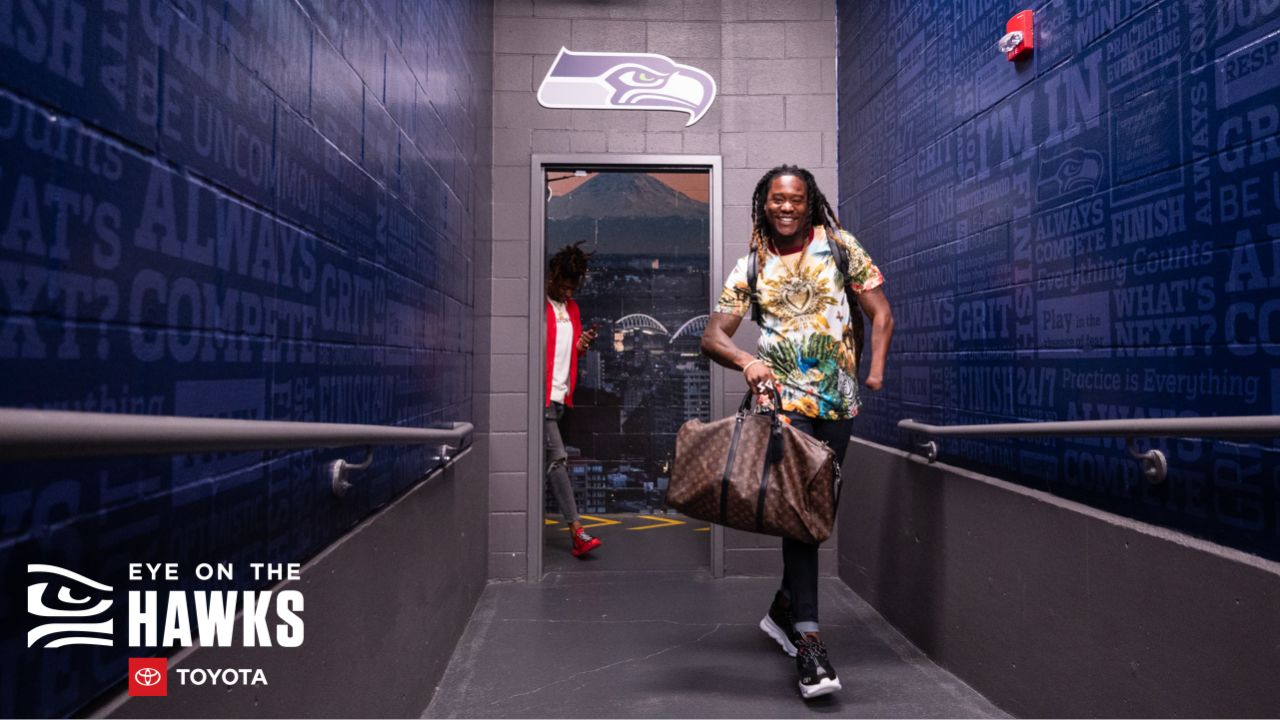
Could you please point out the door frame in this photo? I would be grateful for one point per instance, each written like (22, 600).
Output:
(537, 358)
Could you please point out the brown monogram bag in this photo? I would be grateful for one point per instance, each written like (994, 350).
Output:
(754, 472)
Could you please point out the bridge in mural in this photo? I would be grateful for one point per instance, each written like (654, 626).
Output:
(639, 321)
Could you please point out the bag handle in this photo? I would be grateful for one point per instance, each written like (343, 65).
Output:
(745, 406)
(775, 422)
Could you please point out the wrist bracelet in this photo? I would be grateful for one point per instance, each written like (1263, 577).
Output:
(753, 362)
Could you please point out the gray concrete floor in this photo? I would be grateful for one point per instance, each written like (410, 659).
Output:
(654, 644)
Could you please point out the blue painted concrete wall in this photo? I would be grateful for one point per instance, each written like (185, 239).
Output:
(1093, 233)
(226, 208)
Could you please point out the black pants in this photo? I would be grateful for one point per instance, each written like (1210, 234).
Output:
(800, 560)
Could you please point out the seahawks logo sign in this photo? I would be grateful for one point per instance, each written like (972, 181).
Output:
(623, 81)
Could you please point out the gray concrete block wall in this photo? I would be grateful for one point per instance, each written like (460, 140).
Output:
(774, 64)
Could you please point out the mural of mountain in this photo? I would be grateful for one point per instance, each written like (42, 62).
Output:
(630, 213)
(624, 194)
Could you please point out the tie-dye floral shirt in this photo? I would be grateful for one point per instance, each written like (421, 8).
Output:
(806, 339)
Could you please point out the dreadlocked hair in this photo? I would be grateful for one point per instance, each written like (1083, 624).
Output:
(569, 263)
(820, 212)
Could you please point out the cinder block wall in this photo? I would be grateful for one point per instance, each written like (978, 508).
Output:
(774, 64)
(1092, 233)
(252, 209)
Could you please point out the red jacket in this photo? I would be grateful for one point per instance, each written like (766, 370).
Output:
(574, 318)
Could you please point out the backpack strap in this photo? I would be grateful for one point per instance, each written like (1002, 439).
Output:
(857, 325)
(752, 273)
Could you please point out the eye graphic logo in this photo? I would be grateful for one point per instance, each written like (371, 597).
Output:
(148, 677)
(67, 600)
(613, 81)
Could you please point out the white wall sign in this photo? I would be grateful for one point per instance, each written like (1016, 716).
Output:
(626, 81)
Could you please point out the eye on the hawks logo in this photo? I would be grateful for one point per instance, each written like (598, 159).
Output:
(74, 606)
(613, 81)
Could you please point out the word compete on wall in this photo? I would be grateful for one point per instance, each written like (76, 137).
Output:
(1091, 233)
(225, 208)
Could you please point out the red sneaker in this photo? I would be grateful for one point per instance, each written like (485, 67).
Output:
(584, 543)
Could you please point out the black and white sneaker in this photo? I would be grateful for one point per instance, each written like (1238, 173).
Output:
(817, 675)
(779, 624)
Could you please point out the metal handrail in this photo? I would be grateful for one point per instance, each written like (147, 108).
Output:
(1236, 426)
(34, 434)
(1154, 464)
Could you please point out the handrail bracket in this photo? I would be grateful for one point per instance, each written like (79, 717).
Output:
(339, 468)
(1155, 467)
(444, 453)
(927, 448)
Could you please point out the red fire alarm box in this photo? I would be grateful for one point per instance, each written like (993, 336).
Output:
(1018, 40)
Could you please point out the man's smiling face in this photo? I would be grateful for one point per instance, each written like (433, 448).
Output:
(786, 206)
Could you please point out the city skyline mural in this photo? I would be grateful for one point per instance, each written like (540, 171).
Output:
(648, 293)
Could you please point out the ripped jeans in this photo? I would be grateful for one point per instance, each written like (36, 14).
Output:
(557, 473)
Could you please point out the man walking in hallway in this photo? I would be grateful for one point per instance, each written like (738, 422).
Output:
(566, 340)
(800, 278)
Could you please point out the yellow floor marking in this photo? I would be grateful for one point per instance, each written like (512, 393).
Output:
(660, 522)
(703, 529)
(597, 522)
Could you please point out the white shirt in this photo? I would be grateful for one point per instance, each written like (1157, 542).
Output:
(564, 346)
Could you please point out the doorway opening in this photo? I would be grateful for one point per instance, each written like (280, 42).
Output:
(649, 229)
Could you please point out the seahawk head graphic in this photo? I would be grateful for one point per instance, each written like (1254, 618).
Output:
(1074, 171)
(644, 81)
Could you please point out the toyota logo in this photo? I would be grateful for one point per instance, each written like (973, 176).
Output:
(147, 677)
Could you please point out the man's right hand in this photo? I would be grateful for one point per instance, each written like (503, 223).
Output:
(759, 379)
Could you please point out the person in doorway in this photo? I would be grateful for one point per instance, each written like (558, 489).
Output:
(566, 340)
(807, 353)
